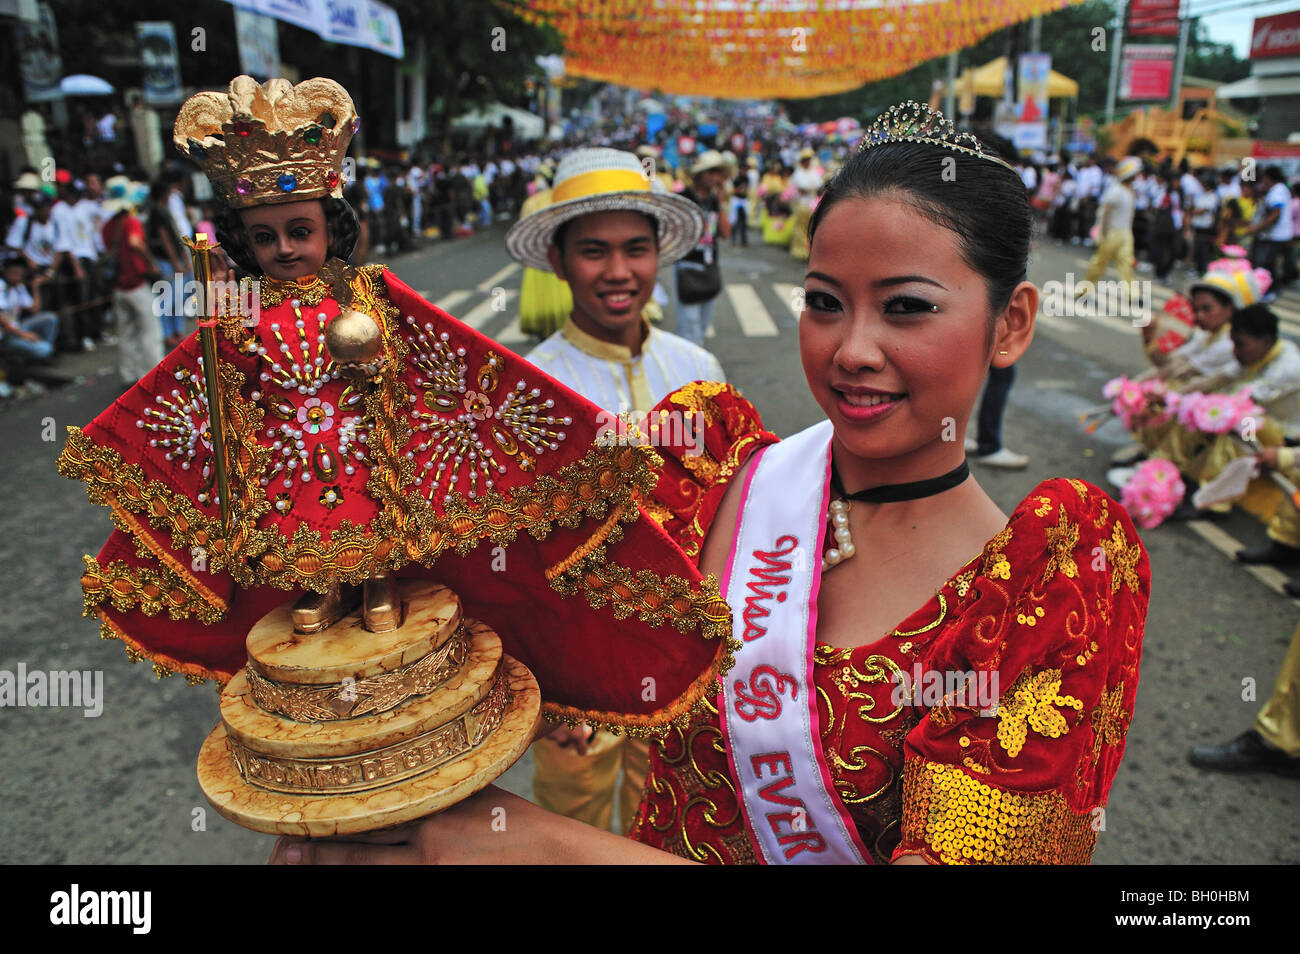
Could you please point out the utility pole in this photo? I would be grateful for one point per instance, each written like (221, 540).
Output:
(950, 90)
(1176, 93)
(1116, 42)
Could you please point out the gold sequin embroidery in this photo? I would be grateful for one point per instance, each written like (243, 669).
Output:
(959, 820)
(1123, 558)
(1029, 704)
(1061, 541)
(1109, 720)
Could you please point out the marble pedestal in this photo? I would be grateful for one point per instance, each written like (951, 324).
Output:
(347, 731)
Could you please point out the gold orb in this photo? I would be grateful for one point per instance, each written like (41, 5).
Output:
(353, 338)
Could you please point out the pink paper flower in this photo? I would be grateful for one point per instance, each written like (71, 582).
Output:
(1153, 493)
(1236, 251)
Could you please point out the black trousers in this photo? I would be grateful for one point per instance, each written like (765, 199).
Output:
(996, 390)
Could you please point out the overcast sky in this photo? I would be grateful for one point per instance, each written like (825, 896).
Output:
(1234, 26)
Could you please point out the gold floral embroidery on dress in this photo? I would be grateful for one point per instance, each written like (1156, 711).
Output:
(1104, 516)
(1029, 704)
(1061, 542)
(943, 612)
(962, 583)
(876, 670)
(1123, 558)
(1079, 487)
(1109, 720)
(1031, 619)
(958, 820)
(996, 564)
(697, 787)
(1088, 652)
(1044, 507)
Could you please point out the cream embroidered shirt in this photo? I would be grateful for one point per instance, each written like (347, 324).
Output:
(609, 375)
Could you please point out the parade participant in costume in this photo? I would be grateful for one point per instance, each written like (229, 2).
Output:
(1266, 366)
(1115, 226)
(853, 728)
(544, 298)
(606, 235)
(371, 434)
(807, 179)
(1200, 363)
(1273, 745)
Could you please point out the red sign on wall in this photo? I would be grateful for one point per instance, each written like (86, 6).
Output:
(1153, 17)
(1147, 72)
(1276, 36)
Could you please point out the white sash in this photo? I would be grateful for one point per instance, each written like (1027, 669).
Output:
(770, 716)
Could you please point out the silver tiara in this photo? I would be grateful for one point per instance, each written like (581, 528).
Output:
(913, 122)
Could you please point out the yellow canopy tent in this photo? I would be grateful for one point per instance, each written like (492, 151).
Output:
(987, 80)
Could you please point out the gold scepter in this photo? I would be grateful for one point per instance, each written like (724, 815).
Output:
(200, 250)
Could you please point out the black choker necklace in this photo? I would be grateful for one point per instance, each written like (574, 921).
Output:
(912, 490)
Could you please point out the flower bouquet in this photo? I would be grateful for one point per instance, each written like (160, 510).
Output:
(1153, 493)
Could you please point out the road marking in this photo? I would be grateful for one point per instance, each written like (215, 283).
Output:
(483, 312)
(488, 284)
(754, 320)
(1228, 545)
(786, 293)
(512, 335)
(449, 301)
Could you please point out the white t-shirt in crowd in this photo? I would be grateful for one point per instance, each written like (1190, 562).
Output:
(1279, 197)
(14, 299)
(1118, 201)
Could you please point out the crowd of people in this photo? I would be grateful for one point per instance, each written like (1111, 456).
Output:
(1170, 213)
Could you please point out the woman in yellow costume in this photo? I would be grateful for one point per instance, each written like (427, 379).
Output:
(544, 299)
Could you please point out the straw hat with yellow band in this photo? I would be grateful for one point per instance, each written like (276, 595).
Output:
(1242, 286)
(605, 180)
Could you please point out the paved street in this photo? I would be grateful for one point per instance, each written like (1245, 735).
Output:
(121, 788)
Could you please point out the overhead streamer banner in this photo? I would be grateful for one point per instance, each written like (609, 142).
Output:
(364, 23)
(766, 48)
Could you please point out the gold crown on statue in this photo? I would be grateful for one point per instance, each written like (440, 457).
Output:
(913, 122)
(275, 142)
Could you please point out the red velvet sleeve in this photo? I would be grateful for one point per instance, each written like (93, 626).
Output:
(1017, 768)
(714, 431)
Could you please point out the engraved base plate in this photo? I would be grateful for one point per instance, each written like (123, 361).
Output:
(323, 815)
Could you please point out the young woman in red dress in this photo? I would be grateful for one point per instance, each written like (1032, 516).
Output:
(920, 677)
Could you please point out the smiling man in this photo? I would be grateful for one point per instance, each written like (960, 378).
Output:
(607, 233)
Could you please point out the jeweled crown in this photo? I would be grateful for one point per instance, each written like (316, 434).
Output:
(914, 122)
(276, 142)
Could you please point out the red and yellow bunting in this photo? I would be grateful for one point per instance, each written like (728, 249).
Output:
(743, 50)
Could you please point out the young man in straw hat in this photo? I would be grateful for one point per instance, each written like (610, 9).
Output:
(606, 233)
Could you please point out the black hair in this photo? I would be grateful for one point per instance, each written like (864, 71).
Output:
(1221, 297)
(562, 229)
(1255, 320)
(1274, 173)
(983, 202)
(340, 220)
